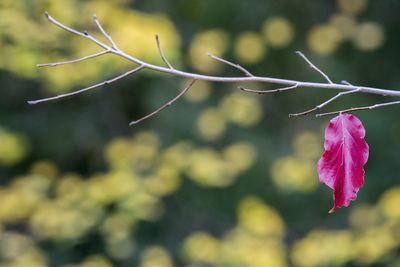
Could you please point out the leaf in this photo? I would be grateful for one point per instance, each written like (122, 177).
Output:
(341, 166)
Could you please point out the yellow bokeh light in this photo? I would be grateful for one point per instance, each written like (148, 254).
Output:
(211, 124)
(278, 32)
(369, 36)
(249, 48)
(345, 24)
(164, 181)
(70, 184)
(242, 109)
(200, 91)
(211, 41)
(241, 249)
(96, 261)
(307, 145)
(364, 217)
(201, 247)
(155, 256)
(291, 173)
(18, 250)
(209, 169)
(120, 249)
(17, 204)
(177, 154)
(352, 6)
(45, 168)
(373, 244)
(138, 153)
(14, 147)
(59, 221)
(258, 218)
(141, 205)
(117, 226)
(324, 39)
(389, 203)
(240, 156)
(321, 248)
(12, 245)
(109, 188)
(118, 152)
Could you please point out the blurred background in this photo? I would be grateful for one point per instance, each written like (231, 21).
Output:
(221, 178)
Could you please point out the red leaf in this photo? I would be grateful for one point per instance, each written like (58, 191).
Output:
(341, 165)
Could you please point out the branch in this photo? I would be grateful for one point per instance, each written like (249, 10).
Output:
(164, 106)
(72, 61)
(260, 92)
(324, 104)
(359, 108)
(96, 21)
(237, 66)
(314, 67)
(32, 102)
(161, 52)
(84, 34)
(286, 84)
(346, 82)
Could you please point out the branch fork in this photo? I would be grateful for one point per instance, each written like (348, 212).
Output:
(285, 85)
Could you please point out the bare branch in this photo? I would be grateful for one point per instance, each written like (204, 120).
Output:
(32, 102)
(162, 53)
(333, 86)
(96, 21)
(325, 103)
(237, 66)
(287, 84)
(82, 34)
(260, 92)
(165, 105)
(314, 67)
(359, 108)
(72, 61)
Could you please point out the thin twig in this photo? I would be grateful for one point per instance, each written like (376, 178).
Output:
(260, 92)
(164, 58)
(54, 64)
(237, 66)
(165, 105)
(314, 67)
(32, 102)
(84, 34)
(325, 103)
(346, 83)
(96, 21)
(359, 108)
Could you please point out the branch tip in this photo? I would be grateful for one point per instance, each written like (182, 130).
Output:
(237, 66)
(163, 57)
(325, 103)
(169, 103)
(314, 67)
(87, 88)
